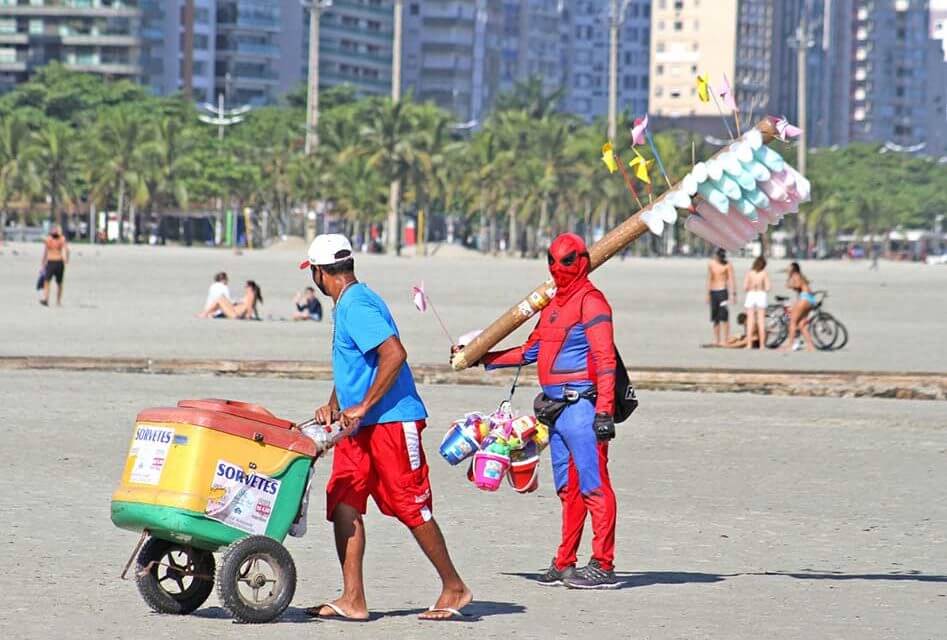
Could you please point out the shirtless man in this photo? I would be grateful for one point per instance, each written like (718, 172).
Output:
(55, 257)
(721, 290)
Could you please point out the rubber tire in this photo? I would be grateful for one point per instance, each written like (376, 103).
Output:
(775, 338)
(233, 558)
(842, 338)
(830, 324)
(154, 594)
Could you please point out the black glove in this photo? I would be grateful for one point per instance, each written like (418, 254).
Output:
(604, 426)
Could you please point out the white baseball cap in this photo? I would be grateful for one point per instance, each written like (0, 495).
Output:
(327, 249)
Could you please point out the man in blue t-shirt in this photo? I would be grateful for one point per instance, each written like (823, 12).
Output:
(375, 399)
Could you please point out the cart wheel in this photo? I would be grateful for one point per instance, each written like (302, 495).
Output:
(173, 578)
(256, 579)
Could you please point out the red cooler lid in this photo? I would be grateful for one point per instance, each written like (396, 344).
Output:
(242, 419)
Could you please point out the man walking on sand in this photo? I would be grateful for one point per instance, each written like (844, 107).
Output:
(376, 401)
(721, 291)
(55, 257)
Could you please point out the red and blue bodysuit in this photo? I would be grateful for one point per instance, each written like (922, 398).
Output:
(573, 348)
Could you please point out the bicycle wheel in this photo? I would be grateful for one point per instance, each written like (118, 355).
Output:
(824, 331)
(841, 338)
(777, 328)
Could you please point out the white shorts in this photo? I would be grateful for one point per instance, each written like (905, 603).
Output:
(755, 300)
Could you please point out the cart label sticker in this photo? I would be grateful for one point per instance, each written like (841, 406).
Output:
(150, 448)
(242, 500)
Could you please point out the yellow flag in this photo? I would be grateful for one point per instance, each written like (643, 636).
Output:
(642, 167)
(703, 88)
(608, 157)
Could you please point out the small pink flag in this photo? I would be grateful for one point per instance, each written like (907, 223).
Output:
(420, 298)
(726, 93)
(787, 131)
(638, 131)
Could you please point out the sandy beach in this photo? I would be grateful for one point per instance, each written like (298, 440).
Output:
(141, 301)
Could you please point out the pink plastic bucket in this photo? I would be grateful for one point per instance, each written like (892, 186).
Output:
(489, 469)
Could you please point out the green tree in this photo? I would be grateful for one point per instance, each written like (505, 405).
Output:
(54, 156)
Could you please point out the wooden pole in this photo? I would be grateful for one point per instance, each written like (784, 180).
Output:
(537, 299)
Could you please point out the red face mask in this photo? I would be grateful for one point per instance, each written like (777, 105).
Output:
(569, 264)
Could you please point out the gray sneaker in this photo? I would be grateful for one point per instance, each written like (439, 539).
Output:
(592, 576)
(553, 577)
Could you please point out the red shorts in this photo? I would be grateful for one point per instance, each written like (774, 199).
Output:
(384, 461)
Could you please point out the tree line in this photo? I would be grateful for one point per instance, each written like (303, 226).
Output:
(69, 141)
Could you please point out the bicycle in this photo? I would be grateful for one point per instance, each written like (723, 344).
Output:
(828, 333)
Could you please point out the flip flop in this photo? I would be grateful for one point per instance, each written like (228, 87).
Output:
(339, 612)
(454, 613)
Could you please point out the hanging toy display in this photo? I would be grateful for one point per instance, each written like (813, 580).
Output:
(500, 445)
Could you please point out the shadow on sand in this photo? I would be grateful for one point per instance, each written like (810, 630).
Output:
(629, 580)
(474, 612)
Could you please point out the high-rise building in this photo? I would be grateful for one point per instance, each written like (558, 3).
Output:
(445, 49)
(875, 74)
(689, 38)
(585, 64)
(166, 47)
(248, 51)
(93, 36)
(355, 43)
(939, 23)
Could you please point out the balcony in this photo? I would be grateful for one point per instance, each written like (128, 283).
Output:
(350, 54)
(13, 66)
(29, 11)
(249, 50)
(79, 40)
(447, 63)
(376, 86)
(105, 68)
(354, 32)
(14, 38)
(374, 11)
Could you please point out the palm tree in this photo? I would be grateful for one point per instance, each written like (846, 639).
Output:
(15, 174)
(169, 162)
(388, 140)
(53, 152)
(530, 96)
(120, 160)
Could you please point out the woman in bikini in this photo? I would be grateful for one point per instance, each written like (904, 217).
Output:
(756, 284)
(243, 310)
(799, 314)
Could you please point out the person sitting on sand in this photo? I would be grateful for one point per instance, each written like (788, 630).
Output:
(734, 342)
(218, 289)
(308, 306)
(246, 309)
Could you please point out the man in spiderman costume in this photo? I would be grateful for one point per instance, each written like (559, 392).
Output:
(573, 347)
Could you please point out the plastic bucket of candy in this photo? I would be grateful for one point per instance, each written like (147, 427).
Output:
(458, 444)
(524, 469)
(489, 469)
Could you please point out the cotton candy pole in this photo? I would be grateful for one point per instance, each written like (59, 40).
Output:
(614, 242)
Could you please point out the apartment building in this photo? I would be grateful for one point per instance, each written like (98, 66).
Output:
(355, 45)
(248, 51)
(585, 64)
(167, 50)
(93, 36)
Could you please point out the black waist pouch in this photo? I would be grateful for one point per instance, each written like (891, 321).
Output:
(547, 410)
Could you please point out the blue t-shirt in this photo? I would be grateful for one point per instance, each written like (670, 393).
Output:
(362, 322)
